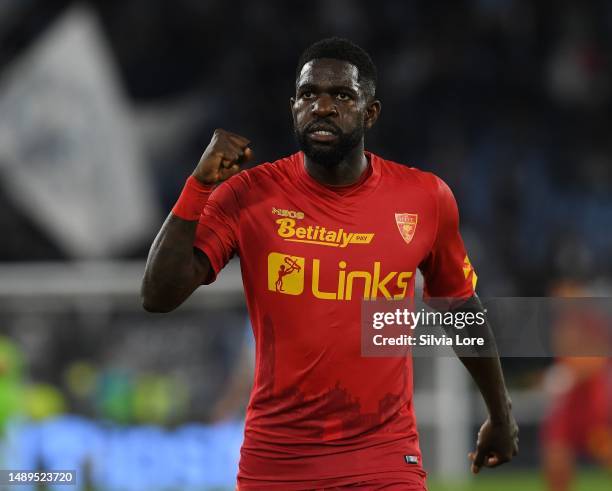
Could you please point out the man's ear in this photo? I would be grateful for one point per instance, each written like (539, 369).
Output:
(291, 103)
(372, 113)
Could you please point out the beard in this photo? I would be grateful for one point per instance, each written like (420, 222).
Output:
(329, 154)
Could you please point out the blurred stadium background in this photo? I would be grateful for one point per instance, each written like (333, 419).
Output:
(106, 106)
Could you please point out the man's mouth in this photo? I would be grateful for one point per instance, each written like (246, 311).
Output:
(322, 134)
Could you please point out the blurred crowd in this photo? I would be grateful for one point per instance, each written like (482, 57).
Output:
(507, 100)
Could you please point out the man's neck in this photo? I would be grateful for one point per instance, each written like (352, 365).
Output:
(346, 172)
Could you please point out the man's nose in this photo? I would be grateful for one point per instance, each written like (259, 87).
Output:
(324, 105)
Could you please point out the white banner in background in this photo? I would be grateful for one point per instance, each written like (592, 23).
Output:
(68, 155)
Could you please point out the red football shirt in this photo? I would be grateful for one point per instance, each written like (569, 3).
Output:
(320, 414)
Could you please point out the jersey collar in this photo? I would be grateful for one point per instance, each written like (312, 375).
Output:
(366, 184)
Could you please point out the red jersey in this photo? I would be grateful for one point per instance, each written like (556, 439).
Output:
(589, 430)
(320, 414)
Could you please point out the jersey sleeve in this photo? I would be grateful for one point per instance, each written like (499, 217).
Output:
(217, 231)
(447, 270)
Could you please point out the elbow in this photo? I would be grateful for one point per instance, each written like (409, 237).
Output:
(155, 307)
(153, 304)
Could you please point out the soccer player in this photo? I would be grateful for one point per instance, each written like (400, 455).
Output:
(332, 224)
(578, 421)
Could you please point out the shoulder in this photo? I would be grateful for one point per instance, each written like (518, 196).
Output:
(248, 185)
(261, 174)
(408, 175)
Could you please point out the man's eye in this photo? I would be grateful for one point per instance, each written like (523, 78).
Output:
(342, 96)
(307, 95)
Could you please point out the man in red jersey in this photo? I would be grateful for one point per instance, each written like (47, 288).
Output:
(343, 225)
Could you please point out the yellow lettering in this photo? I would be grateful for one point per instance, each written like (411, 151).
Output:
(362, 238)
(373, 284)
(367, 283)
(341, 280)
(381, 285)
(286, 227)
(316, 234)
(402, 282)
(315, 283)
(287, 213)
(346, 238)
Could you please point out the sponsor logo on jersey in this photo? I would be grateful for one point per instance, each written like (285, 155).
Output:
(406, 224)
(286, 274)
(315, 234)
(287, 213)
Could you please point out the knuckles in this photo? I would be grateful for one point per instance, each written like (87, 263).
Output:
(222, 156)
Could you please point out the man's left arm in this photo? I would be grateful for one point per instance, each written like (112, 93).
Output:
(497, 439)
(450, 283)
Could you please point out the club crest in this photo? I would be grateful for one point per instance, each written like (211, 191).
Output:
(406, 224)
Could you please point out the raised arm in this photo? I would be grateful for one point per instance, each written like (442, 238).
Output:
(174, 267)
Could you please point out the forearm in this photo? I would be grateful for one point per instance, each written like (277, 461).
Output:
(484, 366)
(173, 271)
(497, 440)
(488, 376)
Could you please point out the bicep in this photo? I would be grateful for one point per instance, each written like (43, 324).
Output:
(447, 270)
(216, 239)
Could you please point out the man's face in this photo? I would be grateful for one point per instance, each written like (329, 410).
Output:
(330, 110)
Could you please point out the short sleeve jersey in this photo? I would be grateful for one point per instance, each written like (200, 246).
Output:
(319, 412)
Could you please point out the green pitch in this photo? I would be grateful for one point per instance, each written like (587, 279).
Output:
(523, 481)
(515, 481)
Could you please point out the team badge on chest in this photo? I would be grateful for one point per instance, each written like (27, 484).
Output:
(406, 224)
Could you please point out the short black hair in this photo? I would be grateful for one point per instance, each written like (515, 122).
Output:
(345, 50)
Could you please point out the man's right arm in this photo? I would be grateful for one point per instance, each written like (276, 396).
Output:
(175, 268)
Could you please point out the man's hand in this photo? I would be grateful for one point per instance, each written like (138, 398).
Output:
(222, 158)
(174, 267)
(497, 443)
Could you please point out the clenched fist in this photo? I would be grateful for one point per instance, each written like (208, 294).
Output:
(496, 445)
(223, 157)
